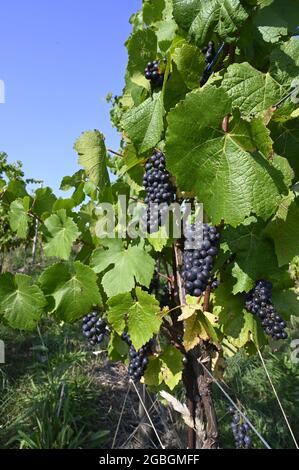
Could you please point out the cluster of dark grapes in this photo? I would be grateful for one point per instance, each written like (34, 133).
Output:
(240, 430)
(154, 73)
(198, 262)
(215, 283)
(94, 328)
(138, 359)
(258, 302)
(210, 53)
(159, 189)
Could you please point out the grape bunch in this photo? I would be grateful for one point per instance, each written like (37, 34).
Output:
(209, 53)
(258, 301)
(198, 263)
(94, 328)
(215, 283)
(138, 359)
(240, 430)
(155, 72)
(159, 189)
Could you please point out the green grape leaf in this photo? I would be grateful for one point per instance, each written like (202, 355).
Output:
(67, 204)
(254, 255)
(129, 266)
(282, 165)
(143, 320)
(159, 239)
(142, 48)
(175, 90)
(286, 141)
(44, 200)
(230, 182)
(152, 11)
(152, 373)
(202, 19)
(286, 302)
(285, 62)
(194, 331)
(190, 63)
(251, 91)
(277, 19)
(14, 190)
(144, 124)
(63, 232)
(21, 301)
(92, 157)
(252, 136)
(117, 348)
(140, 316)
(74, 290)
(171, 367)
(284, 230)
(18, 216)
(119, 307)
(165, 32)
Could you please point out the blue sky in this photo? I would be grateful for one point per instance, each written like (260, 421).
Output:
(58, 60)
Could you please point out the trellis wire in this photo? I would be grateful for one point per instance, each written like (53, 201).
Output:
(278, 400)
(147, 414)
(236, 406)
(120, 418)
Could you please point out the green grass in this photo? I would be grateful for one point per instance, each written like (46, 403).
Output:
(52, 395)
(48, 399)
(247, 382)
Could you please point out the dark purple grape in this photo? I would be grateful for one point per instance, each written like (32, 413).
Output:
(94, 329)
(258, 302)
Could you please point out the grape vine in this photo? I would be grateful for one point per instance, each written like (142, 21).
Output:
(199, 126)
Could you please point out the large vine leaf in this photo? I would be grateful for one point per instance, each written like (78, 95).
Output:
(284, 230)
(202, 19)
(251, 91)
(92, 157)
(144, 124)
(254, 255)
(171, 367)
(44, 199)
(18, 216)
(142, 48)
(230, 181)
(190, 63)
(277, 19)
(63, 232)
(152, 10)
(143, 320)
(141, 316)
(129, 266)
(73, 288)
(285, 62)
(21, 301)
(119, 307)
(286, 141)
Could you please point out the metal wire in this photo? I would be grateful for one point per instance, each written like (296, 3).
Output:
(278, 400)
(236, 406)
(120, 418)
(211, 65)
(147, 414)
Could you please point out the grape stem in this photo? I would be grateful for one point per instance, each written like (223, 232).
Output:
(115, 153)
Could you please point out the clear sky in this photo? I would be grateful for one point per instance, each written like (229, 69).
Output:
(58, 60)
